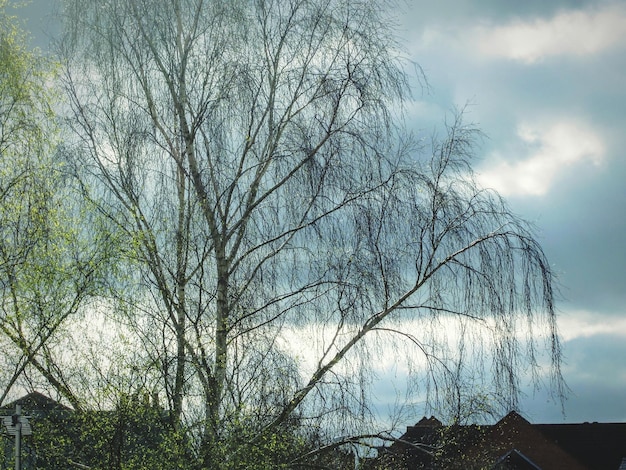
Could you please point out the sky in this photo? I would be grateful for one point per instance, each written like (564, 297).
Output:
(545, 81)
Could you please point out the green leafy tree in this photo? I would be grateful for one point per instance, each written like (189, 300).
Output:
(50, 260)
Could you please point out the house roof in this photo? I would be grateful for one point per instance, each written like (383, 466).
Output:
(432, 422)
(513, 442)
(596, 445)
(34, 401)
(513, 432)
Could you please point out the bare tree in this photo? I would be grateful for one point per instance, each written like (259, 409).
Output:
(252, 154)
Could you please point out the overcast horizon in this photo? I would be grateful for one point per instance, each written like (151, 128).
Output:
(545, 82)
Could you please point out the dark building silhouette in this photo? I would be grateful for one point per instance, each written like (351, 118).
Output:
(511, 443)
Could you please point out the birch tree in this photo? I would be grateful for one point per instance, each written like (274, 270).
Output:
(49, 265)
(252, 153)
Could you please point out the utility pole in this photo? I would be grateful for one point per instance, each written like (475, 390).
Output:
(18, 426)
(18, 436)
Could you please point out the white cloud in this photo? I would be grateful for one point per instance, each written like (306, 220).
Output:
(551, 149)
(584, 324)
(573, 33)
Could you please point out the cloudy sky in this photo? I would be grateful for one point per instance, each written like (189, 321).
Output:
(546, 82)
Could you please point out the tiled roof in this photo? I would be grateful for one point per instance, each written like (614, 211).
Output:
(597, 445)
(514, 432)
(512, 442)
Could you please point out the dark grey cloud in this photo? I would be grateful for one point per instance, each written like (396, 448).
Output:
(582, 233)
(596, 378)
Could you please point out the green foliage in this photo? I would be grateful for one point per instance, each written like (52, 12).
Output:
(52, 251)
(137, 435)
(243, 446)
(25, 97)
(26, 134)
(131, 437)
(27, 179)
